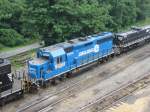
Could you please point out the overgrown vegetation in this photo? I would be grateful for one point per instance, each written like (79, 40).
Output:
(59, 20)
(10, 37)
(19, 61)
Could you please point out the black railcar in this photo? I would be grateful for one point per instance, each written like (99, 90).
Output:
(5, 78)
(133, 38)
(10, 88)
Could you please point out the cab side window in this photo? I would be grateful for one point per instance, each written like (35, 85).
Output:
(59, 60)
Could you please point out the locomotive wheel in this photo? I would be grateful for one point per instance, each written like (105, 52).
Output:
(33, 88)
(48, 83)
(45, 84)
(54, 81)
(107, 59)
(69, 74)
(3, 102)
(61, 78)
(110, 57)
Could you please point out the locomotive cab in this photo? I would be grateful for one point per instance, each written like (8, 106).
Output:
(58, 58)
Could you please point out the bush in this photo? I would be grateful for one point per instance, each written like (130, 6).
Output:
(10, 37)
(1, 46)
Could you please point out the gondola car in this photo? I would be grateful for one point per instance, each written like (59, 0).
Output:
(133, 38)
(57, 60)
(10, 88)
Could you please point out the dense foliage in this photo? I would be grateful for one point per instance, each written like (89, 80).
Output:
(10, 37)
(10, 23)
(58, 20)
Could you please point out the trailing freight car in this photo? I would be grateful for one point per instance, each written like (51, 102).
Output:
(10, 88)
(56, 60)
(133, 38)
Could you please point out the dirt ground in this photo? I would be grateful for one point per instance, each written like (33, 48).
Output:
(136, 102)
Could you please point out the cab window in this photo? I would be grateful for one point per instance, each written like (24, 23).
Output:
(59, 60)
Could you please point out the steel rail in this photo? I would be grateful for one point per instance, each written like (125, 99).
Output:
(124, 86)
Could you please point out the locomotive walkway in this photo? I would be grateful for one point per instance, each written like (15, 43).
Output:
(21, 50)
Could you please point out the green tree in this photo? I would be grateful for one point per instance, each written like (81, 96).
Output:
(10, 37)
(59, 20)
(10, 13)
(123, 13)
(143, 7)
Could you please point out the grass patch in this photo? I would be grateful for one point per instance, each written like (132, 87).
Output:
(5, 48)
(19, 61)
(144, 22)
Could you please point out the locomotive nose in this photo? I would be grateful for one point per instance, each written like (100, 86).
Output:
(37, 61)
(35, 66)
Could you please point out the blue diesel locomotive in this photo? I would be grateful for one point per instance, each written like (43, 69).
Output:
(56, 60)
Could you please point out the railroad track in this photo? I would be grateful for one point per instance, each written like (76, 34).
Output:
(50, 96)
(103, 103)
(19, 51)
(66, 92)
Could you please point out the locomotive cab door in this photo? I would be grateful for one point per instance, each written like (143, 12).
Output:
(59, 62)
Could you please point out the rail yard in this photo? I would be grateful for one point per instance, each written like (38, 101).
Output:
(93, 83)
(79, 86)
(136, 101)
(75, 56)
